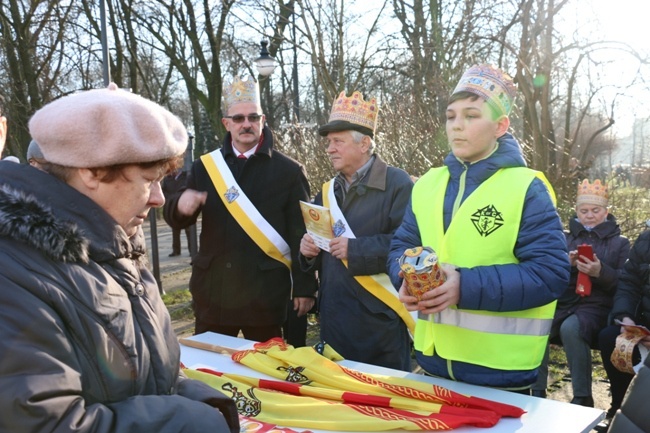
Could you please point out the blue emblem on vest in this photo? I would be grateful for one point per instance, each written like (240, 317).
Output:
(232, 194)
(338, 228)
(487, 220)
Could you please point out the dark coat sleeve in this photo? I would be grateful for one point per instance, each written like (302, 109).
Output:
(170, 210)
(304, 281)
(199, 391)
(406, 236)
(634, 280)
(609, 275)
(46, 393)
(633, 416)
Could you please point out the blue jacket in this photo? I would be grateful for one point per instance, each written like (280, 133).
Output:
(539, 278)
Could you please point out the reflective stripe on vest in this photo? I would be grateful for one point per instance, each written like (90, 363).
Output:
(483, 232)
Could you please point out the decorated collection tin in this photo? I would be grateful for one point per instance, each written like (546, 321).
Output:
(421, 270)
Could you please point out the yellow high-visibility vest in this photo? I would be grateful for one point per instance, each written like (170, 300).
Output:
(483, 232)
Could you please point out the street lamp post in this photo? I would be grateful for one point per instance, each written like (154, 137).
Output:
(104, 38)
(294, 73)
(265, 65)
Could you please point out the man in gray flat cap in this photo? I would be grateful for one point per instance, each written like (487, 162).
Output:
(361, 317)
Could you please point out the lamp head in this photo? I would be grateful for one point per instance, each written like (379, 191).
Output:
(265, 64)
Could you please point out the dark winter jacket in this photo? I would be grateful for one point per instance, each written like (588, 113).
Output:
(633, 415)
(234, 283)
(87, 344)
(612, 250)
(539, 278)
(353, 321)
(632, 297)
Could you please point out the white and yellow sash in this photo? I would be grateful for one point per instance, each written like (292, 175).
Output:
(379, 285)
(244, 212)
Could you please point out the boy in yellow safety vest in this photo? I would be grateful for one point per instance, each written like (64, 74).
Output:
(493, 224)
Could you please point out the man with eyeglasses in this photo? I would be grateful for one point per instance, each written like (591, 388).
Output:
(248, 193)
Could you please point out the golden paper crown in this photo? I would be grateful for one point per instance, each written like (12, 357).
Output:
(491, 84)
(241, 91)
(355, 110)
(592, 193)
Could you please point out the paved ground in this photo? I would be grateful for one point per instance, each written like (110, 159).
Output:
(175, 273)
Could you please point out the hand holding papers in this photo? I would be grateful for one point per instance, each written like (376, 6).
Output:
(318, 223)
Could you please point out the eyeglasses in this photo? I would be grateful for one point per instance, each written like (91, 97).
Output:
(239, 118)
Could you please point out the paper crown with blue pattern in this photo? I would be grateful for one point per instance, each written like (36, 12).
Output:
(491, 84)
(239, 91)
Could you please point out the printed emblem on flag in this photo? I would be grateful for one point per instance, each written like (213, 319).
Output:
(232, 194)
(294, 375)
(487, 220)
(338, 228)
(245, 406)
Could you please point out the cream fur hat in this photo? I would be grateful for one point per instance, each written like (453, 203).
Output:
(103, 127)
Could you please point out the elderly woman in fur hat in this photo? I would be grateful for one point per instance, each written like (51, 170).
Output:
(87, 344)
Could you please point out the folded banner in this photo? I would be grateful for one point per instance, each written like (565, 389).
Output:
(316, 393)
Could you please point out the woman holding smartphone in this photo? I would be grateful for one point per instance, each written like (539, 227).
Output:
(597, 252)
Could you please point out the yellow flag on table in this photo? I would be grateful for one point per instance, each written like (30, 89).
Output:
(314, 392)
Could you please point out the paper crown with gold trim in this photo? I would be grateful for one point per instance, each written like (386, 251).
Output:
(239, 91)
(491, 84)
(352, 113)
(592, 193)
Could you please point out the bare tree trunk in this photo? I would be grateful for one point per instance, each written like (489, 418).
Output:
(34, 74)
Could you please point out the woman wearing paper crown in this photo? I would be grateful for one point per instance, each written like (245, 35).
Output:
(499, 240)
(583, 308)
(631, 307)
(361, 317)
(87, 344)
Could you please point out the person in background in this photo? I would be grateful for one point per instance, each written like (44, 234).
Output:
(171, 184)
(87, 343)
(579, 317)
(34, 155)
(3, 130)
(248, 193)
(499, 241)
(576, 171)
(366, 200)
(631, 307)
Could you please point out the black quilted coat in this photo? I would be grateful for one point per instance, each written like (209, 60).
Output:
(86, 344)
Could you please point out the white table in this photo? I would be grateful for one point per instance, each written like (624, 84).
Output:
(542, 415)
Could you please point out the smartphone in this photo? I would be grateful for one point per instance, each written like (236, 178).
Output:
(585, 250)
